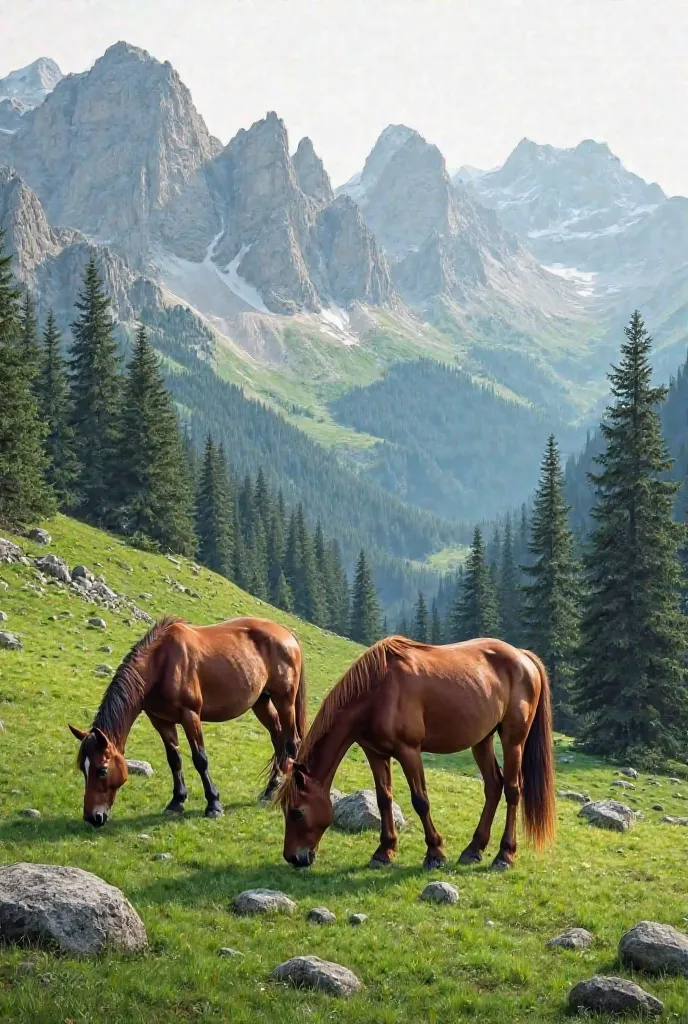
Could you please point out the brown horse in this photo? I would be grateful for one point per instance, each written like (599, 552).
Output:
(401, 698)
(180, 674)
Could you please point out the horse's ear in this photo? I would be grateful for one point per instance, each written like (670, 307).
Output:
(79, 733)
(299, 775)
(101, 739)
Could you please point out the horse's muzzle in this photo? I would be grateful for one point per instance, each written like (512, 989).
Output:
(97, 819)
(302, 859)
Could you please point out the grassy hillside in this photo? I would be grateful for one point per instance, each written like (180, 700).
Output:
(482, 960)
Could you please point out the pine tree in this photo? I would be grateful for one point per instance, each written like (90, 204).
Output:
(475, 612)
(214, 511)
(508, 589)
(154, 496)
(28, 335)
(632, 684)
(325, 575)
(95, 390)
(308, 594)
(403, 628)
(421, 625)
(365, 610)
(275, 555)
(436, 633)
(340, 598)
(52, 391)
(24, 494)
(552, 595)
(282, 595)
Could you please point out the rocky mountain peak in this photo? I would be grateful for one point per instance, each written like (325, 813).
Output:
(392, 138)
(29, 86)
(311, 175)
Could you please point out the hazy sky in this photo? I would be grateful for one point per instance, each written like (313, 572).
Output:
(473, 76)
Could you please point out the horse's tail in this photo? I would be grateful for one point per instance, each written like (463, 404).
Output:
(301, 705)
(539, 807)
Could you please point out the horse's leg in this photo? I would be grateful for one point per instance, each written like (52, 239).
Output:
(265, 712)
(191, 724)
(284, 699)
(168, 735)
(412, 764)
(382, 773)
(513, 754)
(486, 761)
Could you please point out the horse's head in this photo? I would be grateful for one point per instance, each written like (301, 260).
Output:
(105, 772)
(307, 814)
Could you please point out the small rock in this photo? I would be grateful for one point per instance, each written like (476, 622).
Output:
(144, 835)
(104, 670)
(31, 812)
(656, 948)
(621, 784)
(53, 566)
(321, 915)
(613, 995)
(489, 924)
(570, 794)
(630, 773)
(163, 856)
(80, 572)
(10, 642)
(609, 814)
(312, 972)
(356, 919)
(105, 648)
(668, 819)
(674, 781)
(40, 536)
(228, 951)
(358, 811)
(574, 938)
(4, 586)
(657, 807)
(175, 561)
(139, 768)
(3, 617)
(97, 623)
(145, 597)
(262, 901)
(440, 892)
(75, 909)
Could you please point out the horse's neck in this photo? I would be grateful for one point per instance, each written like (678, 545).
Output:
(328, 752)
(116, 722)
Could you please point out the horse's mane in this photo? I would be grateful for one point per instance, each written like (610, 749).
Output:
(366, 672)
(127, 687)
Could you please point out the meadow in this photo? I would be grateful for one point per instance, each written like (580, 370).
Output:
(484, 959)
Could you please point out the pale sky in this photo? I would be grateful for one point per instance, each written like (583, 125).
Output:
(472, 76)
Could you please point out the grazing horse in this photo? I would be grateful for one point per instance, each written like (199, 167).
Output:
(401, 698)
(180, 674)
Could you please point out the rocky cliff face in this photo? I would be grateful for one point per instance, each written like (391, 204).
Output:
(311, 176)
(24, 90)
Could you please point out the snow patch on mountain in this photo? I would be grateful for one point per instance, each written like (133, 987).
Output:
(29, 86)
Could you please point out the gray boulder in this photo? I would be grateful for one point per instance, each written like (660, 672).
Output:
(321, 915)
(440, 892)
(3, 616)
(97, 623)
(40, 536)
(10, 642)
(573, 938)
(53, 566)
(613, 995)
(357, 919)
(312, 972)
(139, 768)
(357, 812)
(228, 951)
(69, 907)
(669, 819)
(656, 948)
(570, 794)
(609, 814)
(622, 784)
(630, 773)
(80, 572)
(9, 552)
(262, 901)
(31, 812)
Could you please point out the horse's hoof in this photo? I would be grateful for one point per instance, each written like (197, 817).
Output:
(174, 810)
(432, 863)
(214, 812)
(378, 865)
(470, 857)
(498, 864)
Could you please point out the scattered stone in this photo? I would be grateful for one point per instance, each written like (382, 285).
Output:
(573, 938)
(654, 782)
(262, 901)
(228, 951)
(175, 561)
(139, 768)
(51, 565)
(623, 785)
(357, 919)
(144, 835)
(73, 908)
(80, 572)
(105, 648)
(657, 807)
(613, 995)
(312, 972)
(10, 642)
(656, 948)
(9, 552)
(3, 616)
(4, 586)
(609, 814)
(489, 924)
(321, 915)
(440, 892)
(675, 782)
(570, 794)
(669, 819)
(163, 856)
(358, 811)
(104, 670)
(31, 812)
(40, 536)
(145, 597)
(630, 773)
(97, 623)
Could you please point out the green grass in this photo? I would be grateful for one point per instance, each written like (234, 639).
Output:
(417, 962)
